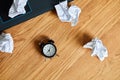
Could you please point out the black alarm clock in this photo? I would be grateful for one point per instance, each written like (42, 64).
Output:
(48, 49)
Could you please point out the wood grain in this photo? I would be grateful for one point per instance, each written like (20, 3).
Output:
(99, 18)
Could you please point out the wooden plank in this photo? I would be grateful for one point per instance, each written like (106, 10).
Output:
(99, 18)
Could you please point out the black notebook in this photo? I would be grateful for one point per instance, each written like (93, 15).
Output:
(33, 8)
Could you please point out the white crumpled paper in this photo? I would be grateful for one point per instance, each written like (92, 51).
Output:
(98, 49)
(17, 8)
(6, 43)
(68, 14)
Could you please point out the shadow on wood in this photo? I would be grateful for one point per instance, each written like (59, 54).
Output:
(83, 38)
(38, 41)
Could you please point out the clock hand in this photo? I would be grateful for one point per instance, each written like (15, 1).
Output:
(48, 50)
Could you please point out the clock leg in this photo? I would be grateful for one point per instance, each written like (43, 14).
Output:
(57, 55)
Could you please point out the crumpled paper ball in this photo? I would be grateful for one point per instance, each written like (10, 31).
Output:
(6, 43)
(68, 14)
(98, 49)
(17, 8)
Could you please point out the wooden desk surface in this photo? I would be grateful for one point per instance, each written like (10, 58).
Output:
(99, 18)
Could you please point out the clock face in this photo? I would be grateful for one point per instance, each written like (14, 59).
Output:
(49, 50)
